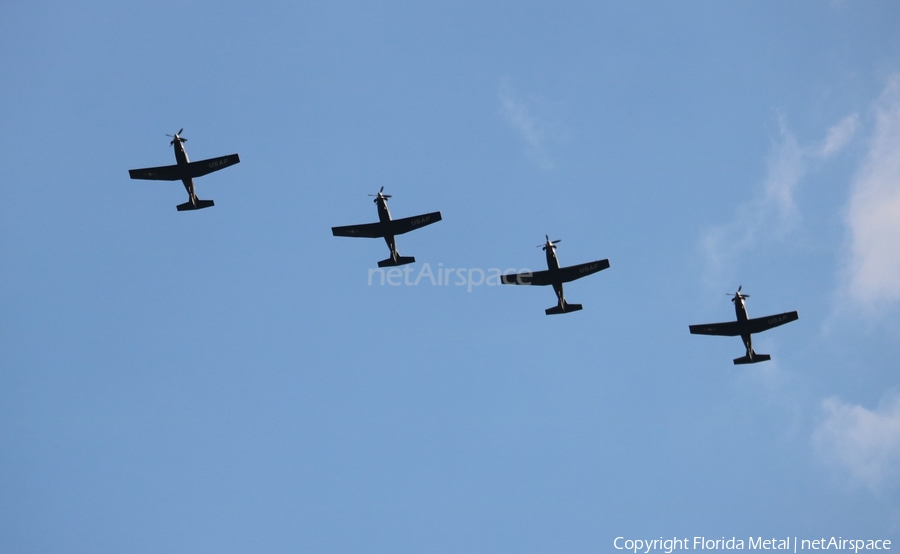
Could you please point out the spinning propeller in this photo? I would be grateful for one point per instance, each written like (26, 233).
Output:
(177, 136)
(552, 243)
(379, 195)
(738, 294)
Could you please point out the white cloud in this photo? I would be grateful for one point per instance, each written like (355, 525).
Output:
(785, 168)
(518, 113)
(773, 210)
(864, 442)
(839, 135)
(773, 213)
(874, 212)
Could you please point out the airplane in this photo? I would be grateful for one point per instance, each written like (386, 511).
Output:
(387, 229)
(556, 276)
(185, 171)
(745, 327)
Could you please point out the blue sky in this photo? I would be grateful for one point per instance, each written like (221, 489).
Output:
(227, 381)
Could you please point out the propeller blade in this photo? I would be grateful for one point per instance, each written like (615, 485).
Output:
(547, 237)
(177, 136)
(737, 294)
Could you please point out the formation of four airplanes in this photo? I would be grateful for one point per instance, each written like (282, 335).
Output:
(388, 228)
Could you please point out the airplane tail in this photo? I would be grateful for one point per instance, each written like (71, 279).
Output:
(752, 358)
(400, 260)
(564, 309)
(198, 206)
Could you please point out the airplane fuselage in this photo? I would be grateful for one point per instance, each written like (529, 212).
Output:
(384, 216)
(182, 158)
(180, 154)
(552, 261)
(740, 310)
(553, 266)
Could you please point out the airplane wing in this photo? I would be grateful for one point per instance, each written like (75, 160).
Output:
(407, 224)
(366, 230)
(204, 167)
(566, 274)
(735, 328)
(538, 278)
(163, 173)
(727, 329)
(760, 324)
(563, 275)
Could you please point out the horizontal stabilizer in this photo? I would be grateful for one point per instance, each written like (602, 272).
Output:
(199, 205)
(401, 260)
(566, 308)
(752, 359)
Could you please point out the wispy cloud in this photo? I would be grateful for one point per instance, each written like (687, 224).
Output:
(839, 135)
(865, 443)
(773, 212)
(772, 209)
(519, 113)
(874, 210)
(785, 167)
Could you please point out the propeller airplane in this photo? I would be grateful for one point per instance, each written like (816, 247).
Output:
(387, 229)
(556, 276)
(744, 327)
(185, 171)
